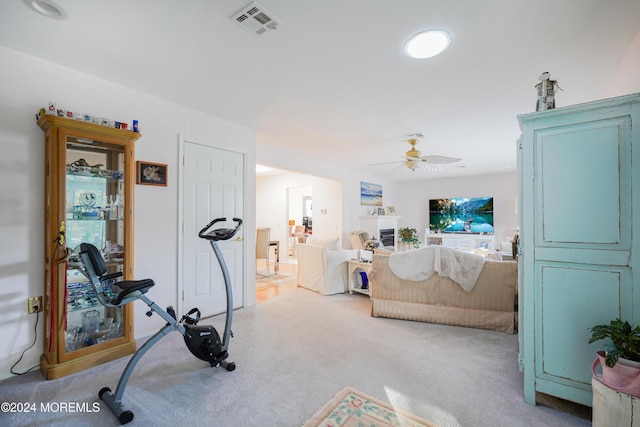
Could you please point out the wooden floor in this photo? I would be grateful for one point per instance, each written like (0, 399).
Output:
(269, 286)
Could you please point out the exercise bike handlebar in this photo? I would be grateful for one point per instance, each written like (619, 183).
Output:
(219, 233)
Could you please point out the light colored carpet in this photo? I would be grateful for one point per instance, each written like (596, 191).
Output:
(293, 353)
(351, 407)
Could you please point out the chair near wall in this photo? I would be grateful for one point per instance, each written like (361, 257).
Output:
(358, 238)
(298, 235)
(263, 236)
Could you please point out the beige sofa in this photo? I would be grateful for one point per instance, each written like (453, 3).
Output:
(439, 299)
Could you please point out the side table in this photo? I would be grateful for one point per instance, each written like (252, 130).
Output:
(355, 268)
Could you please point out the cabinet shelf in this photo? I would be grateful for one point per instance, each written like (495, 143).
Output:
(79, 331)
(461, 241)
(102, 174)
(93, 219)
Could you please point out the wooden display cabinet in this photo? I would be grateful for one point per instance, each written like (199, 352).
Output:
(89, 183)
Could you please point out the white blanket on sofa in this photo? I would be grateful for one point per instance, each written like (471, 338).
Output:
(420, 264)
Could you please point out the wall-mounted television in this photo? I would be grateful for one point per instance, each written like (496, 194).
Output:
(461, 215)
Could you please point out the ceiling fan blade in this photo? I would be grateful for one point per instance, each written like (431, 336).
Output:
(386, 163)
(430, 167)
(441, 160)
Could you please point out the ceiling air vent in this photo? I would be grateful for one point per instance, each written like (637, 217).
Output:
(254, 18)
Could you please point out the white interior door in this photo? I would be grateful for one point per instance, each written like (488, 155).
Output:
(213, 188)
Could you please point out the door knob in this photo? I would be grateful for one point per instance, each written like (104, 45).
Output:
(239, 239)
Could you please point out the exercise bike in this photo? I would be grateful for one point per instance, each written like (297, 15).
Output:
(202, 340)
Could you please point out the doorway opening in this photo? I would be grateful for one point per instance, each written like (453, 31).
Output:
(286, 199)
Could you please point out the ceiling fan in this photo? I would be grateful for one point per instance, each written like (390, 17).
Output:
(413, 159)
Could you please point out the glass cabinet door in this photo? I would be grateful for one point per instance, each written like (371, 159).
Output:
(94, 214)
(89, 179)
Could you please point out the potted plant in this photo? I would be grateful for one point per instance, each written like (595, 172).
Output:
(625, 339)
(408, 235)
(621, 362)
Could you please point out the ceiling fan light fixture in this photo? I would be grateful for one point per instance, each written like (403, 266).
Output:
(427, 44)
(412, 164)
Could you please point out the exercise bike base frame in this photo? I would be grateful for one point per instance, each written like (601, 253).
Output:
(114, 400)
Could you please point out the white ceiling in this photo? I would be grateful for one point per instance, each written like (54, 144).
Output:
(333, 81)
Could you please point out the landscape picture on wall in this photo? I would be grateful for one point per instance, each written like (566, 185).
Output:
(370, 194)
(461, 215)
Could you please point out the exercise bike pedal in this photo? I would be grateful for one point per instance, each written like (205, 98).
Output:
(220, 360)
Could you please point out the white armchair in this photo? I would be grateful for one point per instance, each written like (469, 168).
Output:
(358, 238)
(322, 265)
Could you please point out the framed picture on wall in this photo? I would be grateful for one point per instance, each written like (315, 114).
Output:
(370, 194)
(390, 210)
(148, 173)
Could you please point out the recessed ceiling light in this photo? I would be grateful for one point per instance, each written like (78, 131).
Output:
(427, 44)
(47, 8)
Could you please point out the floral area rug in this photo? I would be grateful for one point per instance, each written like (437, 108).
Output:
(276, 279)
(351, 408)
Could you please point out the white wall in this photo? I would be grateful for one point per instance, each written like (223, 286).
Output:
(349, 180)
(28, 83)
(413, 200)
(272, 205)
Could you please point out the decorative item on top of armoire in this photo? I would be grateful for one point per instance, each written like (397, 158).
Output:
(577, 266)
(52, 110)
(546, 92)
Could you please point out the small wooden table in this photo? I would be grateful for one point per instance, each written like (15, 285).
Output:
(355, 267)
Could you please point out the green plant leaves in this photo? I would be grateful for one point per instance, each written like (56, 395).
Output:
(626, 340)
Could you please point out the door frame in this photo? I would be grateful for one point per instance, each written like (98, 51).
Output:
(248, 257)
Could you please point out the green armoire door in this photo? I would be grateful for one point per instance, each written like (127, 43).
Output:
(577, 203)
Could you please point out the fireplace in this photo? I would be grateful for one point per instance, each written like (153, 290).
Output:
(383, 227)
(387, 237)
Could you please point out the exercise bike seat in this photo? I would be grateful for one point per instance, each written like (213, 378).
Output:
(119, 290)
(127, 287)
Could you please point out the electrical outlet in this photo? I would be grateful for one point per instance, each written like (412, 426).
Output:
(35, 304)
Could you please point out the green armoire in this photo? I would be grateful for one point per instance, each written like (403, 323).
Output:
(579, 264)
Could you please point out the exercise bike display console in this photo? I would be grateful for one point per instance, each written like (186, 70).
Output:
(203, 341)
